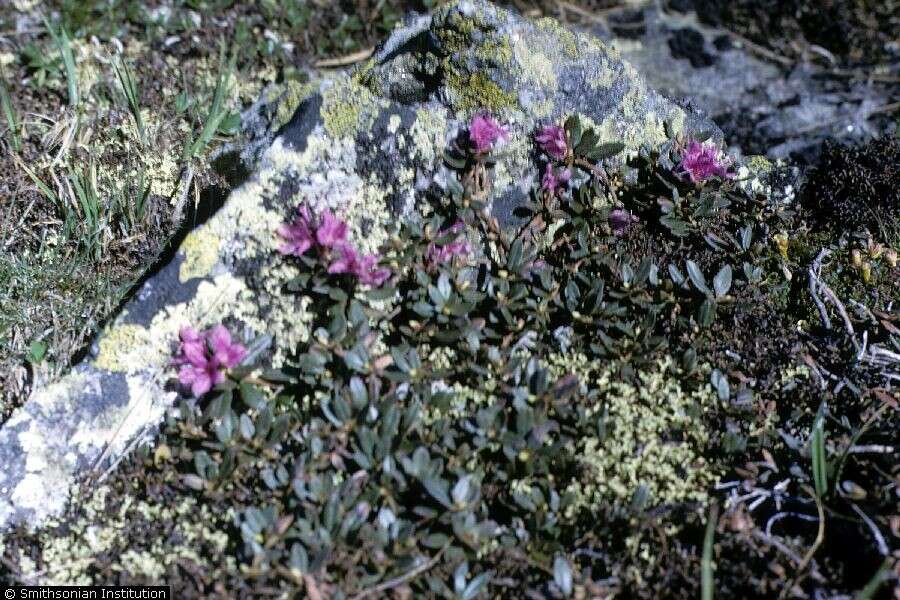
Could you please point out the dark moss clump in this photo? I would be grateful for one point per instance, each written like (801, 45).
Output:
(856, 186)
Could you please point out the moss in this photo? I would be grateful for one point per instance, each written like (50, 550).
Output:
(116, 344)
(201, 252)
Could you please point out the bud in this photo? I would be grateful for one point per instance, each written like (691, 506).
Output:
(856, 258)
(781, 242)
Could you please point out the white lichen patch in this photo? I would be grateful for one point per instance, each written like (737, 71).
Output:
(47, 467)
(115, 427)
(100, 536)
(428, 134)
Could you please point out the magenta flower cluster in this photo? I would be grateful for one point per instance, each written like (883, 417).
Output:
(204, 357)
(484, 132)
(328, 234)
(438, 255)
(555, 180)
(552, 140)
(702, 160)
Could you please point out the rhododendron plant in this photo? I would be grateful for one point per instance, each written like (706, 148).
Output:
(297, 235)
(555, 181)
(369, 273)
(702, 160)
(437, 255)
(552, 140)
(204, 357)
(330, 239)
(331, 231)
(484, 132)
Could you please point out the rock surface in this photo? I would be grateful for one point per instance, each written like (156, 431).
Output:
(367, 144)
(765, 103)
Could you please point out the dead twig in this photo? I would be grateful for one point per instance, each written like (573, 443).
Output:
(398, 581)
(820, 537)
(343, 61)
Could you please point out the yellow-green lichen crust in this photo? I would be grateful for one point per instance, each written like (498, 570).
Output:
(116, 344)
(201, 252)
(653, 438)
(99, 537)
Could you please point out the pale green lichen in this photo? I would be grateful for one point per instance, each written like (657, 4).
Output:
(536, 67)
(571, 44)
(347, 108)
(68, 556)
(427, 133)
(116, 344)
(653, 437)
(201, 252)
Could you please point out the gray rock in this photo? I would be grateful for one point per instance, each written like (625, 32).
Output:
(368, 144)
(771, 107)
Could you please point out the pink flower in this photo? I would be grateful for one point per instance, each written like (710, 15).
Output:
(369, 273)
(365, 268)
(204, 358)
(297, 235)
(554, 182)
(346, 260)
(484, 131)
(552, 140)
(620, 220)
(703, 160)
(458, 247)
(225, 352)
(331, 231)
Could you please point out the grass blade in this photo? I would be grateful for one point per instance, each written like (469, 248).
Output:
(818, 454)
(217, 111)
(868, 592)
(61, 39)
(707, 581)
(41, 186)
(132, 95)
(9, 112)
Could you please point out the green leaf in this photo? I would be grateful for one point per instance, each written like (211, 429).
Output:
(706, 567)
(818, 453)
(697, 277)
(707, 312)
(439, 490)
(475, 586)
(722, 281)
(604, 151)
(562, 575)
(36, 351)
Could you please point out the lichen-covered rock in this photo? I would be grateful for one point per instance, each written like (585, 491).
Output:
(368, 144)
